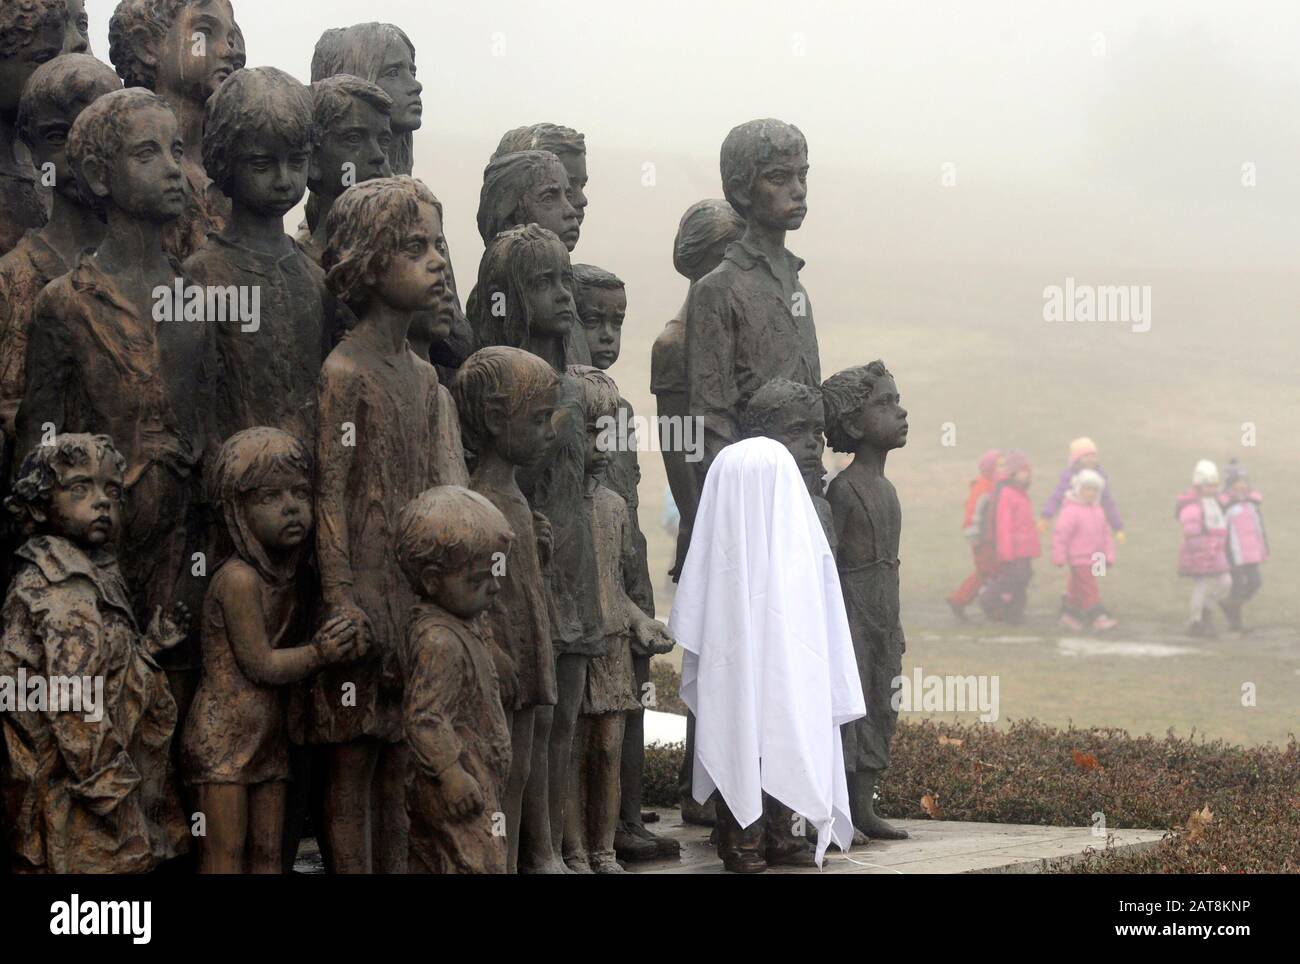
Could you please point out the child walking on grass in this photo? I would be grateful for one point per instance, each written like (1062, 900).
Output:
(1202, 556)
(1080, 540)
(1016, 542)
(1247, 544)
(977, 527)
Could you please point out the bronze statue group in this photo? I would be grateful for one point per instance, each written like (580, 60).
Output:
(358, 558)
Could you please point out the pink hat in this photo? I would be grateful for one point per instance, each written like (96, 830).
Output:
(988, 463)
(1081, 447)
(1016, 460)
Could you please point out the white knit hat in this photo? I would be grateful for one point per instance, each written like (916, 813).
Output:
(1087, 478)
(1205, 473)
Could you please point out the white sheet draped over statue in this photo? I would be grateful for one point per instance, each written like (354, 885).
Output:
(768, 667)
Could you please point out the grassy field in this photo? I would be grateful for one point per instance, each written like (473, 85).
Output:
(969, 347)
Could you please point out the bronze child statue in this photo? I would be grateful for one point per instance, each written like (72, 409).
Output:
(182, 50)
(257, 145)
(566, 144)
(100, 360)
(527, 187)
(31, 34)
(703, 235)
(451, 544)
(57, 93)
(610, 695)
(507, 399)
(793, 414)
(524, 299)
(352, 119)
(602, 307)
(381, 54)
(749, 320)
(235, 746)
(865, 416)
(386, 431)
(89, 787)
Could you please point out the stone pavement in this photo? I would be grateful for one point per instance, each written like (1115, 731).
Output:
(935, 847)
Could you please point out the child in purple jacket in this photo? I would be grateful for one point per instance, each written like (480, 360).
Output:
(1247, 544)
(1203, 556)
(1083, 455)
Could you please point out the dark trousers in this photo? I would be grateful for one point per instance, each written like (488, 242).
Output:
(1004, 595)
(1246, 581)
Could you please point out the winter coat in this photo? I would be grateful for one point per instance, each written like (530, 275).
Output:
(1066, 482)
(1081, 531)
(1204, 539)
(975, 521)
(1247, 543)
(1016, 534)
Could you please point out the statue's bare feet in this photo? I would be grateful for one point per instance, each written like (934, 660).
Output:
(860, 839)
(553, 865)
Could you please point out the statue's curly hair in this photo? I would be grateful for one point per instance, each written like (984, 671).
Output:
(21, 20)
(43, 467)
(844, 394)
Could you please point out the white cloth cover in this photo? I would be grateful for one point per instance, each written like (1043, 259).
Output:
(767, 667)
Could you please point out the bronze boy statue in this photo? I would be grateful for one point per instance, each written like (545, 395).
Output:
(89, 788)
(792, 414)
(257, 145)
(865, 416)
(749, 320)
(452, 544)
(352, 119)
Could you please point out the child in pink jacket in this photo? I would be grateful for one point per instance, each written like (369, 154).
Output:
(1247, 543)
(1080, 540)
(1016, 539)
(1203, 557)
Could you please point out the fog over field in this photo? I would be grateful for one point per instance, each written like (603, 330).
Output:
(964, 157)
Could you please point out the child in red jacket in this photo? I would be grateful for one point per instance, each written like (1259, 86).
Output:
(1015, 537)
(1081, 539)
(977, 527)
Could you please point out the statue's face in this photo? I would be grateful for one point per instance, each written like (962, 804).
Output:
(416, 277)
(467, 591)
(802, 430)
(547, 204)
(529, 432)
(145, 180)
(49, 135)
(270, 175)
(779, 194)
(86, 504)
(397, 80)
(551, 310)
(602, 313)
(76, 39)
(597, 455)
(884, 420)
(575, 167)
(202, 48)
(15, 70)
(353, 150)
(279, 511)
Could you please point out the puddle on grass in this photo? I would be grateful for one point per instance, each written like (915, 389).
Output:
(1073, 646)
